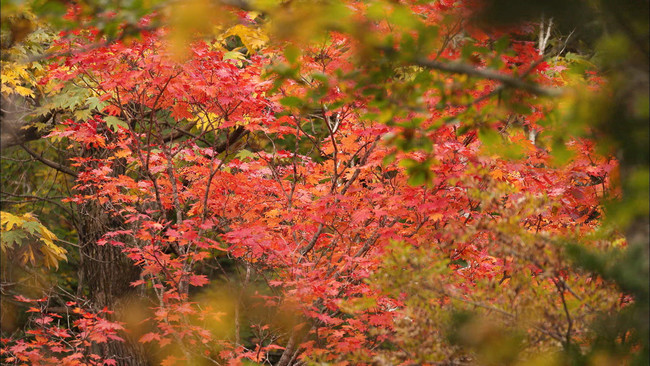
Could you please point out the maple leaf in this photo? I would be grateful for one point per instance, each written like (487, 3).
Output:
(198, 280)
(496, 174)
(21, 298)
(149, 337)
(137, 283)
(170, 361)
(185, 308)
(44, 320)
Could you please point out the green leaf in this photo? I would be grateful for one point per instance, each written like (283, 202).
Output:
(32, 227)
(560, 154)
(95, 103)
(419, 173)
(244, 154)
(83, 114)
(501, 44)
(320, 77)
(113, 122)
(376, 11)
(291, 53)
(461, 262)
(403, 17)
(17, 229)
(489, 138)
(291, 101)
(389, 158)
(11, 238)
(234, 55)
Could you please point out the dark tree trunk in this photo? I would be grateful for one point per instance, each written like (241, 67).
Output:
(106, 273)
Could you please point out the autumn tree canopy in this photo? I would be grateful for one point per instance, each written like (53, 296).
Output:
(324, 183)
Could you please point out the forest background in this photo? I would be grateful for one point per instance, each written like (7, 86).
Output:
(325, 182)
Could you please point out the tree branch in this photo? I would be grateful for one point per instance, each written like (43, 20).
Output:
(238, 133)
(505, 79)
(288, 350)
(32, 197)
(50, 163)
(567, 337)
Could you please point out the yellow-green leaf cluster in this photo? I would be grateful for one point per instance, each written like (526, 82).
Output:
(24, 37)
(14, 78)
(21, 236)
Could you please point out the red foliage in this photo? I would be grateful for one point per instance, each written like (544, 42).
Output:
(51, 341)
(314, 226)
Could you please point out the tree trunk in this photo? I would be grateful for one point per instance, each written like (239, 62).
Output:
(106, 273)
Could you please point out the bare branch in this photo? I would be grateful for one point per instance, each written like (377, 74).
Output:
(50, 163)
(507, 80)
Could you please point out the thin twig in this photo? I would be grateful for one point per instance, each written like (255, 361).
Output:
(48, 162)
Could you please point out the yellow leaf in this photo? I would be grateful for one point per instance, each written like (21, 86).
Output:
(6, 90)
(209, 121)
(252, 38)
(52, 255)
(9, 221)
(25, 92)
(22, 72)
(47, 234)
(28, 255)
